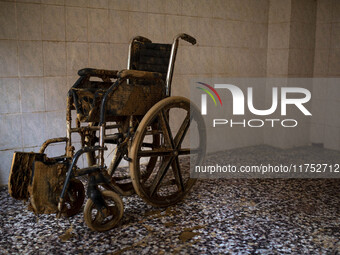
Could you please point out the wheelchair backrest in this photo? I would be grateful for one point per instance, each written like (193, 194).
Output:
(156, 57)
(151, 57)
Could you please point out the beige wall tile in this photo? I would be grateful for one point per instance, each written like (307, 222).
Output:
(173, 27)
(179, 62)
(230, 33)
(29, 21)
(336, 11)
(190, 57)
(204, 8)
(119, 26)
(29, 1)
(332, 116)
(5, 167)
(178, 85)
(80, 3)
(332, 138)
(302, 35)
(156, 6)
(303, 11)
(55, 124)
(55, 2)
(251, 35)
(277, 61)
(233, 61)
(77, 57)
(317, 133)
(120, 4)
(278, 35)
(335, 43)
(301, 62)
(99, 56)
(219, 32)
(7, 21)
(318, 89)
(53, 23)
(189, 7)
(140, 6)
(205, 62)
(119, 56)
(9, 58)
(156, 28)
(323, 35)
(138, 24)
(321, 58)
(30, 58)
(334, 62)
(33, 132)
(76, 24)
(247, 10)
(173, 6)
(54, 58)
(218, 63)
(279, 11)
(103, 4)
(98, 25)
(318, 110)
(205, 35)
(324, 8)
(255, 63)
(333, 91)
(219, 9)
(10, 126)
(32, 95)
(71, 80)
(55, 93)
(10, 91)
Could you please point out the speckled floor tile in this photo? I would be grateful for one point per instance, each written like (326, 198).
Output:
(236, 216)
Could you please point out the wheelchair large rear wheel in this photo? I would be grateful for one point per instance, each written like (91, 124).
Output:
(182, 141)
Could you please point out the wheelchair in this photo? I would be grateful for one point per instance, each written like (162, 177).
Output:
(133, 111)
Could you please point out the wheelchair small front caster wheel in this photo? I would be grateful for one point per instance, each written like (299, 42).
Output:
(108, 217)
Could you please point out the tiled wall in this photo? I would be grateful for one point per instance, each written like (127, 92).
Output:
(44, 42)
(325, 124)
(291, 40)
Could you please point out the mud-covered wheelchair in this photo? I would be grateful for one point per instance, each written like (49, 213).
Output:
(132, 109)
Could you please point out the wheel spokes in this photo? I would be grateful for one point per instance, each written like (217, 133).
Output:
(177, 173)
(163, 169)
(166, 129)
(183, 130)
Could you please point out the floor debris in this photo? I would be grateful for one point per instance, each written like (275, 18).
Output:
(248, 216)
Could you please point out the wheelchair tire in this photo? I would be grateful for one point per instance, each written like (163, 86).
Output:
(94, 218)
(164, 187)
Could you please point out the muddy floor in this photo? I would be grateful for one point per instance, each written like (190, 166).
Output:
(247, 216)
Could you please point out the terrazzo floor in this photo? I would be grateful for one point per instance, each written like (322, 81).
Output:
(220, 216)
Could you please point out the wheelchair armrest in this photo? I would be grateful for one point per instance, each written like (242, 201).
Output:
(135, 74)
(98, 72)
(50, 141)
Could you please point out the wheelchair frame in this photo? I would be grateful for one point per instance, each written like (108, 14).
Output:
(129, 141)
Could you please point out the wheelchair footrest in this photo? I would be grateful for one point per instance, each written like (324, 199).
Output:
(21, 173)
(40, 179)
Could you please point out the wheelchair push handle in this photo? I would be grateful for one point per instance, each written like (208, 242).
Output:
(187, 38)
